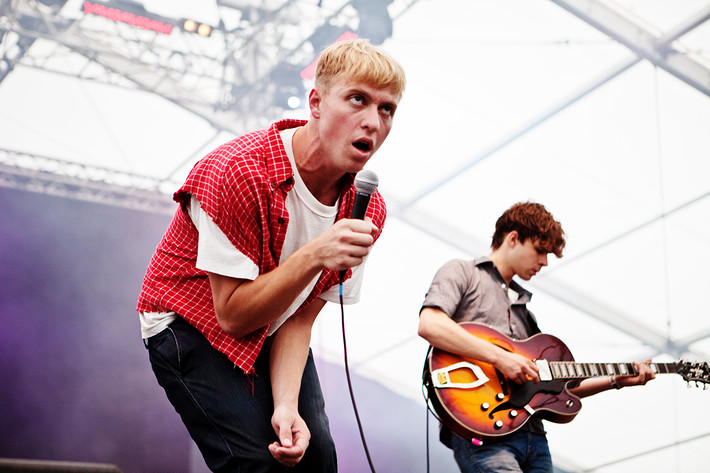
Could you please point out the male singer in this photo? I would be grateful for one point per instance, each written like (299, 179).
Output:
(251, 257)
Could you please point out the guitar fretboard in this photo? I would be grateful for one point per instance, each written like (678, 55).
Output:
(572, 370)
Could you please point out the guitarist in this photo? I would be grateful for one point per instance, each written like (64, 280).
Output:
(484, 291)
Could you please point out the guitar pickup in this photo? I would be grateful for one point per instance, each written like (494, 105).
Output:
(544, 370)
(441, 378)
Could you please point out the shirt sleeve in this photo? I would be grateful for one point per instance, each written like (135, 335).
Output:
(447, 288)
(215, 253)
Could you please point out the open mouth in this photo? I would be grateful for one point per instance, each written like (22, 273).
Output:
(363, 145)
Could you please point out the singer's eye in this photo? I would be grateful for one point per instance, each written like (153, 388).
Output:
(388, 109)
(357, 99)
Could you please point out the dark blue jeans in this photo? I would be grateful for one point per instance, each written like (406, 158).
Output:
(522, 451)
(228, 413)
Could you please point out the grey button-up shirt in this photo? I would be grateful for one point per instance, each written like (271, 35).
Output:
(474, 291)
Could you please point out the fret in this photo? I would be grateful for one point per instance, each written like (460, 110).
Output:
(572, 367)
(664, 368)
(579, 369)
(563, 369)
(626, 369)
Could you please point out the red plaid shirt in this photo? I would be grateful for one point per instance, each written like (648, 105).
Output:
(242, 185)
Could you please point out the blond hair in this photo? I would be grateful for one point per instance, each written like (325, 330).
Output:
(360, 61)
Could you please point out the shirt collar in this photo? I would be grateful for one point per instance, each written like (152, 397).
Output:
(277, 165)
(487, 264)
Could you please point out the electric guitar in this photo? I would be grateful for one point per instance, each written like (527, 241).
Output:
(476, 401)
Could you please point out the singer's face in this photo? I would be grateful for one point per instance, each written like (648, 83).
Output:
(354, 120)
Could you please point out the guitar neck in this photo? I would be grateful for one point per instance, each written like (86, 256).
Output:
(572, 370)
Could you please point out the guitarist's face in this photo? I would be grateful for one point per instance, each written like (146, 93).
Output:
(528, 258)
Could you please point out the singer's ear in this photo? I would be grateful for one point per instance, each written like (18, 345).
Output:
(314, 100)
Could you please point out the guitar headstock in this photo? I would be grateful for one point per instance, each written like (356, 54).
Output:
(694, 371)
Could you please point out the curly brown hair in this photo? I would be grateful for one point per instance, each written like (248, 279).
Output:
(531, 221)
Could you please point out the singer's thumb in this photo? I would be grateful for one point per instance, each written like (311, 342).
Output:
(285, 437)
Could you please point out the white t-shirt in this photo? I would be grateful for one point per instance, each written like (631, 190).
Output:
(308, 218)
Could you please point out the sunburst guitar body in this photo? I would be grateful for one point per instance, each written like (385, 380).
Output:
(477, 402)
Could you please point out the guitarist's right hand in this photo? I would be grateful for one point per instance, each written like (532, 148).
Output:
(517, 367)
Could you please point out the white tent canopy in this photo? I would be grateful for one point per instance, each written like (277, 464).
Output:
(598, 109)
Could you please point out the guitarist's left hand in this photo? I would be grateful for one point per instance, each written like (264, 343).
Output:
(644, 375)
(591, 386)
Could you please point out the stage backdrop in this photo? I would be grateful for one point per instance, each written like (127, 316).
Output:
(76, 382)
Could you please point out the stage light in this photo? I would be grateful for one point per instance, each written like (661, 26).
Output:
(191, 26)
(293, 102)
(204, 30)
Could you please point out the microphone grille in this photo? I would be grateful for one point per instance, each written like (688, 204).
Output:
(366, 182)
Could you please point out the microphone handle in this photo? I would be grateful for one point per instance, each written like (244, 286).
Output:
(360, 204)
(362, 200)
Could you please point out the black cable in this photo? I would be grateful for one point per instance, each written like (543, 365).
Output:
(427, 438)
(350, 386)
(426, 383)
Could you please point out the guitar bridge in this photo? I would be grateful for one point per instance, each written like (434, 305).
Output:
(441, 378)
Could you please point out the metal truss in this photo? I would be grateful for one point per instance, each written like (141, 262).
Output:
(46, 175)
(233, 78)
(664, 51)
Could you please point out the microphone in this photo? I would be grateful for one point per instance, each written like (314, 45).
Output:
(365, 185)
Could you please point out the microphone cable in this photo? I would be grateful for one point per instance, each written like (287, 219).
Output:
(350, 386)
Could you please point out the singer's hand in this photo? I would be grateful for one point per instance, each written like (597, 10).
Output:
(345, 244)
(294, 437)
